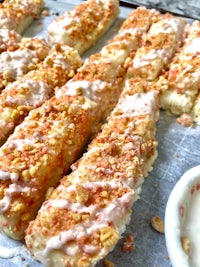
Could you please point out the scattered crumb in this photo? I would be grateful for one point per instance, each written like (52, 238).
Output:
(23, 259)
(155, 185)
(167, 257)
(185, 120)
(4, 224)
(157, 224)
(45, 13)
(39, 23)
(176, 155)
(52, 13)
(171, 180)
(128, 243)
(186, 244)
(49, 192)
(108, 263)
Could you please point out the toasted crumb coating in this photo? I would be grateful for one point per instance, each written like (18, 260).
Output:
(18, 14)
(158, 47)
(84, 25)
(14, 64)
(9, 40)
(42, 148)
(83, 218)
(33, 89)
(183, 76)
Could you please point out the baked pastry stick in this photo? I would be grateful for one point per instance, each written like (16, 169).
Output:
(17, 15)
(43, 147)
(183, 77)
(9, 40)
(125, 149)
(195, 112)
(85, 216)
(14, 64)
(82, 26)
(158, 47)
(33, 89)
(87, 221)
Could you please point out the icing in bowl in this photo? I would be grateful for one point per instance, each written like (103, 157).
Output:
(182, 221)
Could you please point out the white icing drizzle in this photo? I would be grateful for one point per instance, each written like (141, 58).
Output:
(16, 62)
(57, 30)
(117, 56)
(4, 34)
(6, 38)
(38, 138)
(171, 25)
(78, 207)
(91, 90)
(166, 26)
(113, 212)
(19, 144)
(6, 200)
(4, 176)
(90, 249)
(143, 60)
(137, 104)
(193, 47)
(78, 231)
(66, 20)
(115, 209)
(58, 58)
(5, 125)
(120, 43)
(106, 4)
(37, 93)
(66, 204)
(131, 31)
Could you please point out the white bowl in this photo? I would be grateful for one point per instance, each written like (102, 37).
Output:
(182, 219)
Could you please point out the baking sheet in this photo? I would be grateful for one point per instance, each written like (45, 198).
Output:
(178, 150)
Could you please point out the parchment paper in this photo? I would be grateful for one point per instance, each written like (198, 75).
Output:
(178, 150)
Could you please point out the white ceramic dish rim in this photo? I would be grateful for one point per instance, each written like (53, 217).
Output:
(172, 216)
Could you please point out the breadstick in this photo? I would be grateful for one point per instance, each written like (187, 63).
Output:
(82, 26)
(195, 112)
(42, 148)
(183, 77)
(17, 15)
(85, 216)
(31, 90)
(14, 64)
(158, 47)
